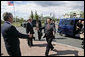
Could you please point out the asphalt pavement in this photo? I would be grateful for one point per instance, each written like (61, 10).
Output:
(64, 46)
(76, 42)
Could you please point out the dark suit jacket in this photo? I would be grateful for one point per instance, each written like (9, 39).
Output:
(39, 25)
(49, 32)
(11, 36)
(29, 28)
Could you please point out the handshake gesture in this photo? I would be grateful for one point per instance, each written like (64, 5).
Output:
(30, 35)
(36, 28)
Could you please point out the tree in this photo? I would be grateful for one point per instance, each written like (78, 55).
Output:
(82, 14)
(31, 16)
(21, 20)
(41, 17)
(36, 15)
(16, 18)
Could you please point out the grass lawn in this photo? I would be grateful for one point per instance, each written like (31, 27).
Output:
(17, 24)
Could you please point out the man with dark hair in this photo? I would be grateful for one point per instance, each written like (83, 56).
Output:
(11, 35)
(38, 25)
(52, 23)
(49, 34)
(82, 34)
(30, 31)
(78, 26)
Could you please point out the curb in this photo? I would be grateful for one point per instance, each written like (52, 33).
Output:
(69, 46)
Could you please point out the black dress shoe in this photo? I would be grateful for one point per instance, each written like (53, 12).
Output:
(52, 48)
(31, 44)
(34, 38)
(46, 54)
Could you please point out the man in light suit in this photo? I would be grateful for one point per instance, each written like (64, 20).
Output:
(11, 35)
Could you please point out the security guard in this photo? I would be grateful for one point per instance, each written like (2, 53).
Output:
(39, 31)
(30, 31)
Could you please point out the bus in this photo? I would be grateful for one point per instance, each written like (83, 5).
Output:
(67, 26)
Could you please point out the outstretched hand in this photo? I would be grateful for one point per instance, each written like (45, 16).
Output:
(30, 35)
(36, 28)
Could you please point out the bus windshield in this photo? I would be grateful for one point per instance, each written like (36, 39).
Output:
(66, 22)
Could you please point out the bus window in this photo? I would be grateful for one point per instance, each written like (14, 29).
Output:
(65, 22)
(71, 22)
(68, 21)
(62, 22)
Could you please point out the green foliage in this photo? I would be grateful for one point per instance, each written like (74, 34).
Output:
(19, 19)
(82, 14)
(36, 15)
(31, 16)
(2, 21)
(17, 24)
(75, 14)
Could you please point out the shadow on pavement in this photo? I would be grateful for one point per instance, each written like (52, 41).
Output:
(60, 38)
(73, 37)
(40, 40)
(42, 45)
(64, 52)
(1, 53)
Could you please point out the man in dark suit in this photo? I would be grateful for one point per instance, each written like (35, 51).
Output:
(49, 34)
(38, 25)
(29, 30)
(53, 23)
(11, 35)
(78, 26)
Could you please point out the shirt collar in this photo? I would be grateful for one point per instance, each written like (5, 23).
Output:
(8, 22)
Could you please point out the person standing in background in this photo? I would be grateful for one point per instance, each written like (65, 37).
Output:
(39, 31)
(30, 31)
(78, 26)
(82, 34)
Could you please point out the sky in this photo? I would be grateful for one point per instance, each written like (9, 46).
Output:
(22, 9)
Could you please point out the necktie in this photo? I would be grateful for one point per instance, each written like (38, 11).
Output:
(48, 26)
(31, 24)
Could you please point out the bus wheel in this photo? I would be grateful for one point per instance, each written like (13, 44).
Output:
(63, 34)
(60, 34)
